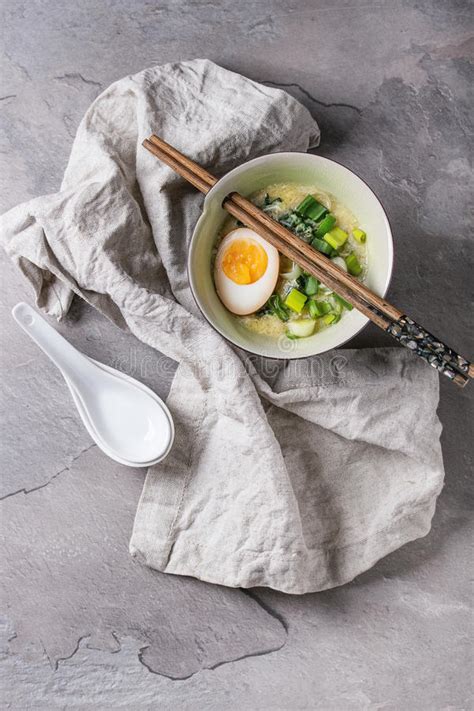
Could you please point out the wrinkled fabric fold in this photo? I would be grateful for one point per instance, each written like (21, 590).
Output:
(298, 476)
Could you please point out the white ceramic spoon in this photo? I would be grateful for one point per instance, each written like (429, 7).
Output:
(127, 420)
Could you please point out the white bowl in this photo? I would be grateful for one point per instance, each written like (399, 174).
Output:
(302, 169)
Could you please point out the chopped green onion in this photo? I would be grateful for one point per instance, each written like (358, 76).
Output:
(322, 246)
(353, 265)
(301, 281)
(336, 237)
(345, 304)
(311, 285)
(301, 328)
(276, 306)
(317, 212)
(311, 208)
(325, 225)
(313, 309)
(359, 235)
(296, 300)
(305, 204)
(331, 318)
(319, 308)
(325, 306)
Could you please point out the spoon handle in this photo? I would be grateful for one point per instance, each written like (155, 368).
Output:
(73, 365)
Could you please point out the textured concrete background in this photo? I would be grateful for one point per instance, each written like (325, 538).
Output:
(85, 626)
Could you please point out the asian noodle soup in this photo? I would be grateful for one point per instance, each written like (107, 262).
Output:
(267, 292)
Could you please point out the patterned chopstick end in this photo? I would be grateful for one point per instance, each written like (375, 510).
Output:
(424, 344)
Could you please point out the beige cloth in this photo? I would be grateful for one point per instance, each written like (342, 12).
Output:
(298, 479)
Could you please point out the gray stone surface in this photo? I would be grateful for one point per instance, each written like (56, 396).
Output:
(85, 626)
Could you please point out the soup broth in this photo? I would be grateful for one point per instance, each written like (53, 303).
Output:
(299, 305)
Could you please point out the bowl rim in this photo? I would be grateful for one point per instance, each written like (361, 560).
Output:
(193, 241)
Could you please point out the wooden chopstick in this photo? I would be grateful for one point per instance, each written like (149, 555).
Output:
(374, 307)
(181, 164)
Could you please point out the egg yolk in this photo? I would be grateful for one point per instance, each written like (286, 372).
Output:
(244, 261)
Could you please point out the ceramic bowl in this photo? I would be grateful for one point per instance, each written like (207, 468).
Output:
(303, 169)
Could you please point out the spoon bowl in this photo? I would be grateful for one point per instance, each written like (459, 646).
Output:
(114, 434)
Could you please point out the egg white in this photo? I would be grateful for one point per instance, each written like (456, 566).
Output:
(244, 299)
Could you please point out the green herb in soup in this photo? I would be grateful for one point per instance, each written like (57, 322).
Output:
(295, 303)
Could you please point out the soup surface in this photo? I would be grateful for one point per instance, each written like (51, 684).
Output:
(294, 304)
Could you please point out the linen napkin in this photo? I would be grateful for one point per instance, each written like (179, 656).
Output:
(296, 477)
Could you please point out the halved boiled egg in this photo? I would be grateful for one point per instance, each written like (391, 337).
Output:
(245, 271)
